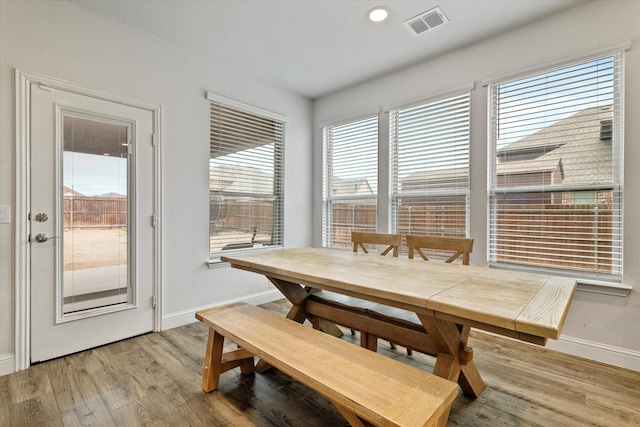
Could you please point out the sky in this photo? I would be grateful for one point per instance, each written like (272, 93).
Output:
(93, 175)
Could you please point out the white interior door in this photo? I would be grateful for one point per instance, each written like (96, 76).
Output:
(91, 222)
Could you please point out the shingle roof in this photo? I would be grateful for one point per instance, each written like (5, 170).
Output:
(240, 179)
(530, 166)
(582, 125)
(342, 186)
(574, 141)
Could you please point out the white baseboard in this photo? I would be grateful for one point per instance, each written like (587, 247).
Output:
(7, 364)
(604, 353)
(185, 317)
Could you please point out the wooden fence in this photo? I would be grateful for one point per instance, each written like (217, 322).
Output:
(95, 212)
(242, 214)
(563, 236)
(553, 235)
(442, 220)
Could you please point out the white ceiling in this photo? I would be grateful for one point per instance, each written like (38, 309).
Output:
(316, 47)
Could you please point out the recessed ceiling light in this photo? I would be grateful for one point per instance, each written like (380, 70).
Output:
(378, 14)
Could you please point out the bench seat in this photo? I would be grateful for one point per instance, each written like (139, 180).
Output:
(367, 388)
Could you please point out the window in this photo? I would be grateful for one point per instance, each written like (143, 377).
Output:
(350, 180)
(555, 161)
(429, 162)
(245, 178)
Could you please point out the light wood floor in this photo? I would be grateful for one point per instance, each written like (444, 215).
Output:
(154, 380)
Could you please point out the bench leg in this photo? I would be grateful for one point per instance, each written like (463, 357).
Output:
(442, 421)
(215, 362)
(212, 361)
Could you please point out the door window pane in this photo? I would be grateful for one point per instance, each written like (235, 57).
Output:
(95, 206)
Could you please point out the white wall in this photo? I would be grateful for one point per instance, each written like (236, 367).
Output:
(59, 39)
(599, 326)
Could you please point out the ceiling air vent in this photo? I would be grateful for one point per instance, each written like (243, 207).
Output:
(426, 21)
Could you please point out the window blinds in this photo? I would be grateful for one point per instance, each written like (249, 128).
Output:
(350, 180)
(556, 169)
(429, 162)
(245, 179)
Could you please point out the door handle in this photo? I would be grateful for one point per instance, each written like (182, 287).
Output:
(42, 237)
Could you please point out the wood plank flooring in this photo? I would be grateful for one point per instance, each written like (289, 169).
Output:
(154, 380)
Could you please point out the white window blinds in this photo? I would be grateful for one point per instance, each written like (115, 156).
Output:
(429, 162)
(245, 179)
(555, 162)
(350, 180)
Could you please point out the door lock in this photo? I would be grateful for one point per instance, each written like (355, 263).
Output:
(42, 237)
(42, 217)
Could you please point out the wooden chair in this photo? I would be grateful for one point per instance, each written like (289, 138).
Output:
(359, 240)
(392, 241)
(458, 245)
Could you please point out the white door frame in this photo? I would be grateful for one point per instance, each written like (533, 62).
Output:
(23, 81)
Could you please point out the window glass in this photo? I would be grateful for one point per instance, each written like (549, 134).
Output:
(556, 169)
(350, 180)
(245, 180)
(429, 162)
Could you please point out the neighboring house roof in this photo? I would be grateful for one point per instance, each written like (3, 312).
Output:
(584, 162)
(530, 166)
(68, 192)
(113, 196)
(570, 150)
(342, 187)
(581, 125)
(422, 180)
(574, 142)
(240, 179)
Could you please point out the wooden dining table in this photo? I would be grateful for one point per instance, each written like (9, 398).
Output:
(448, 299)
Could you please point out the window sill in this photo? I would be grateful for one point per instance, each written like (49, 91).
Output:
(605, 287)
(214, 260)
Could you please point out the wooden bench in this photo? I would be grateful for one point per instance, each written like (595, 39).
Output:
(367, 388)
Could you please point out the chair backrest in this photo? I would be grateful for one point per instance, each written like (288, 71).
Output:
(459, 245)
(391, 240)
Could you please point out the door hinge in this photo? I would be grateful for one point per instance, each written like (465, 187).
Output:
(154, 221)
(154, 301)
(154, 139)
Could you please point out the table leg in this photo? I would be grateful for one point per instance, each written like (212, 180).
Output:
(296, 295)
(454, 360)
(368, 341)
(352, 418)
(470, 381)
